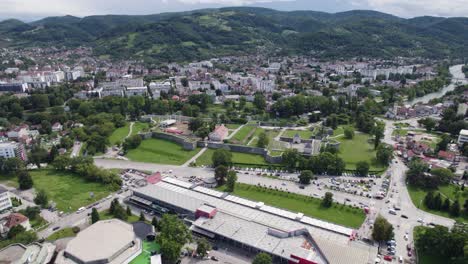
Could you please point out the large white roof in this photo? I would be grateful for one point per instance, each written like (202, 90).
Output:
(102, 240)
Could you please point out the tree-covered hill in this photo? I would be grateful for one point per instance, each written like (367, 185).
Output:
(207, 33)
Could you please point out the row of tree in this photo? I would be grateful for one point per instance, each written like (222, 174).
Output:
(435, 202)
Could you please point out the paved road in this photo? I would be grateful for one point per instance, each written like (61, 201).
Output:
(234, 132)
(78, 219)
(194, 158)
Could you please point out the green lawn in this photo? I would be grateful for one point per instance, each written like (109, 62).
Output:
(358, 149)
(424, 258)
(66, 232)
(400, 132)
(233, 126)
(69, 191)
(271, 134)
(161, 151)
(237, 157)
(451, 191)
(139, 126)
(242, 134)
(338, 131)
(119, 134)
(105, 215)
(9, 179)
(339, 214)
(145, 256)
(304, 134)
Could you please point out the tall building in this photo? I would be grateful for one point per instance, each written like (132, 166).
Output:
(5, 201)
(463, 137)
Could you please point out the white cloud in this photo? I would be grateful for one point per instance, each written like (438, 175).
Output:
(411, 8)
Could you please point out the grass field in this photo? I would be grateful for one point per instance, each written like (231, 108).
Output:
(233, 126)
(338, 131)
(237, 157)
(9, 179)
(358, 149)
(119, 134)
(69, 191)
(400, 132)
(139, 126)
(339, 214)
(426, 258)
(242, 135)
(161, 151)
(451, 191)
(105, 215)
(304, 134)
(66, 232)
(145, 256)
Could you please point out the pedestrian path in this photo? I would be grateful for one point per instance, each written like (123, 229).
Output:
(194, 158)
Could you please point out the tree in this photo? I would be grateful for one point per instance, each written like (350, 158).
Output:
(142, 217)
(305, 177)
(132, 142)
(173, 235)
(349, 132)
(195, 124)
(262, 258)
(428, 123)
(221, 174)
(231, 181)
(327, 200)
(262, 140)
(429, 200)
(384, 153)
(94, 215)
(259, 101)
(378, 132)
(382, 230)
(446, 205)
(362, 168)
(203, 247)
(61, 162)
(14, 231)
(221, 157)
(455, 209)
(42, 199)
(442, 145)
(291, 158)
(120, 213)
(465, 206)
(24, 179)
(128, 211)
(38, 155)
(155, 223)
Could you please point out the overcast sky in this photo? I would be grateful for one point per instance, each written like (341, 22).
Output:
(34, 9)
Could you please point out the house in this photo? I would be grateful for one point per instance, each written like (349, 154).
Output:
(18, 132)
(56, 127)
(219, 133)
(463, 137)
(13, 220)
(447, 155)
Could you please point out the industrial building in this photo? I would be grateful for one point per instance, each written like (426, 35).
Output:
(108, 241)
(289, 237)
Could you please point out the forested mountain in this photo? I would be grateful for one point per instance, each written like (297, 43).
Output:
(207, 33)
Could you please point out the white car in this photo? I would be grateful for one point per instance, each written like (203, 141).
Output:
(81, 209)
(420, 220)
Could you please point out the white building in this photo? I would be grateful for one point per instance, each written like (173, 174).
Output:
(5, 201)
(8, 150)
(463, 137)
(461, 111)
(136, 91)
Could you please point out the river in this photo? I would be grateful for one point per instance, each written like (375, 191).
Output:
(457, 73)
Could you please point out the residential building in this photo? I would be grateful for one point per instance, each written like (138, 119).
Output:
(136, 91)
(219, 133)
(5, 200)
(56, 127)
(462, 107)
(463, 137)
(13, 87)
(15, 219)
(8, 149)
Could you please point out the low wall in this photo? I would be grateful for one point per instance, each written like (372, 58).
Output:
(186, 144)
(242, 149)
(290, 140)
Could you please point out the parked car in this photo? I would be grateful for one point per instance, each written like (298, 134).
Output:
(56, 228)
(388, 258)
(404, 216)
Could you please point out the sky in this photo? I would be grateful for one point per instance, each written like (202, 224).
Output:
(29, 10)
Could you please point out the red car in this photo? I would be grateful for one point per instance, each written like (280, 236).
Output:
(388, 258)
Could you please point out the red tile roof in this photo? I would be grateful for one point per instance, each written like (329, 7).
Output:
(15, 219)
